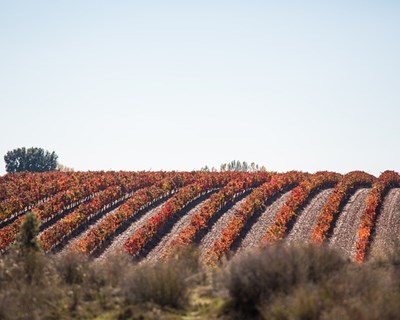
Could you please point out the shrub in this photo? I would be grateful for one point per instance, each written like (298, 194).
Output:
(165, 283)
(72, 267)
(255, 277)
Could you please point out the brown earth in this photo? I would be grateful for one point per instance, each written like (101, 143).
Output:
(257, 231)
(345, 233)
(160, 248)
(118, 242)
(216, 230)
(306, 219)
(75, 240)
(387, 232)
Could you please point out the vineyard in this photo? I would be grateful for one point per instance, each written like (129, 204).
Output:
(149, 215)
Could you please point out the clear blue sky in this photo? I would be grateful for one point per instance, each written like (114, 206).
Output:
(134, 85)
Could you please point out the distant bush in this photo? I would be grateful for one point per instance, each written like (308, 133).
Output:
(162, 284)
(165, 283)
(256, 277)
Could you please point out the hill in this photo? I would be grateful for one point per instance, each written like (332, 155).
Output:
(151, 214)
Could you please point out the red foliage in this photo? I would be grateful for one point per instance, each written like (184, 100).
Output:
(86, 185)
(140, 199)
(297, 198)
(84, 212)
(255, 202)
(186, 195)
(386, 180)
(20, 192)
(346, 186)
(228, 193)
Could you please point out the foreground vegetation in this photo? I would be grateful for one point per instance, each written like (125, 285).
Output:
(277, 282)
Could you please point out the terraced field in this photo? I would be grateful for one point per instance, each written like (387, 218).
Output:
(149, 215)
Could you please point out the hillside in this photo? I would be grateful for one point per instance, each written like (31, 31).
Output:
(151, 214)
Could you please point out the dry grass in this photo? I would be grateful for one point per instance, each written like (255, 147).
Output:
(279, 282)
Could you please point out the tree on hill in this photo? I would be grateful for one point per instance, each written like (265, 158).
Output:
(31, 159)
(64, 168)
(236, 165)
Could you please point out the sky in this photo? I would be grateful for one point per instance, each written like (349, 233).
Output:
(176, 85)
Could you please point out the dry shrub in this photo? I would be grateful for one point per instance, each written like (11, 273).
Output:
(386, 252)
(354, 292)
(72, 267)
(165, 283)
(111, 271)
(255, 277)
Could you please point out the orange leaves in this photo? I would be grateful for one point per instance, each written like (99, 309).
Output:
(55, 234)
(96, 236)
(339, 196)
(21, 191)
(187, 194)
(297, 198)
(253, 203)
(200, 219)
(386, 180)
(82, 187)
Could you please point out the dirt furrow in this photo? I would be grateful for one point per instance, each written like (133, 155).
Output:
(345, 232)
(71, 243)
(256, 232)
(118, 242)
(387, 232)
(216, 230)
(160, 248)
(307, 217)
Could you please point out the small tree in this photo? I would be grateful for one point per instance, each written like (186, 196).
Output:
(26, 239)
(28, 249)
(31, 159)
(237, 165)
(63, 168)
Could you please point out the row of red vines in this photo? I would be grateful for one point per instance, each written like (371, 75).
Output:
(218, 200)
(84, 212)
(255, 202)
(297, 198)
(96, 236)
(23, 195)
(80, 193)
(94, 183)
(184, 196)
(386, 180)
(349, 183)
(17, 183)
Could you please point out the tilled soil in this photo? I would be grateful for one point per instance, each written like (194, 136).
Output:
(83, 228)
(216, 230)
(75, 240)
(118, 242)
(345, 233)
(159, 250)
(387, 232)
(306, 219)
(257, 231)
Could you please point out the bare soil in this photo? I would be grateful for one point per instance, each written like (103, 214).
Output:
(387, 232)
(159, 250)
(345, 232)
(216, 230)
(253, 237)
(118, 242)
(71, 243)
(306, 219)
